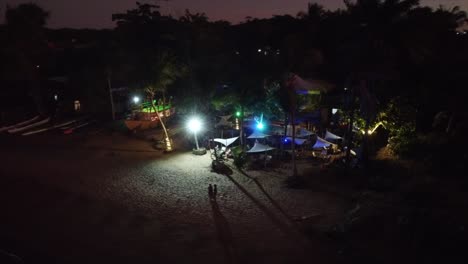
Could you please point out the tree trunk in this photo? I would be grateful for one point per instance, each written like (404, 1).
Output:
(285, 132)
(242, 139)
(110, 94)
(167, 139)
(349, 139)
(293, 143)
(365, 141)
(365, 146)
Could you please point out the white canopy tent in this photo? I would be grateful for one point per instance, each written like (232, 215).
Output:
(298, 141)
(304, 133)
(300, 132)
(257, 134)
(331, 136)
(258, 148)
(226, 142)
(321, 143)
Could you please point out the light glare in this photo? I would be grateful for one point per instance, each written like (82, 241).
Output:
(194, 125)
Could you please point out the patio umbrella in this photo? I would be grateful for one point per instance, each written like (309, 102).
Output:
(298, 141)
(329, 135)
(259, 148)
(226, 141)
(258, 134)
(321, 143)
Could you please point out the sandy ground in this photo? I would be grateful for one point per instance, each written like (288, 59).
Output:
(102, 198)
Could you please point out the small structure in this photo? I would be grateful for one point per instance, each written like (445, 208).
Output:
(302, 132)
(257, 134)
(297, 141)
(77, 105)
(146, 118)
(331, 136)
(226, 142)
(259, 148)
(321, 143)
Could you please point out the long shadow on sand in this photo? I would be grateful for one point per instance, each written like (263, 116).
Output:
(272, 201)
(224, 231)
(286, 228)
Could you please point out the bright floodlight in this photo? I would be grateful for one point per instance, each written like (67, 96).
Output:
(136, 99)
(194, 125)
(260, 126)
(334, 110)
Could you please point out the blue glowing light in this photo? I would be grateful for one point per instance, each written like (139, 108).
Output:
(259, 121)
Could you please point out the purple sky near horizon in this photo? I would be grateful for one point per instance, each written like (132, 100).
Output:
(97, 13)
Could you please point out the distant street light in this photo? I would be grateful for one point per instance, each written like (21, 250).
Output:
(136, 99)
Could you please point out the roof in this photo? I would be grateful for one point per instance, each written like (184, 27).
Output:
(258, 147)
(226, 142)
(321, 143)
(258, 134)
(329, 135)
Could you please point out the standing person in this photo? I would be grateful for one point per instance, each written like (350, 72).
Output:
(210, 191)
(215, 191)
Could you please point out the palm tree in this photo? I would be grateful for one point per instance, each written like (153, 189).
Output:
(165, 71)
(315, 12)
(288, 103)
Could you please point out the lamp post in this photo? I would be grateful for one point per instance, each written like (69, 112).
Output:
(194, 125)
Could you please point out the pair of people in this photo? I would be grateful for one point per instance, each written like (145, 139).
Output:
(212, 191)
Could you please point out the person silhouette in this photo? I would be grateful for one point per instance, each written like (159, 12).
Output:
(215, 191)
(210, 191)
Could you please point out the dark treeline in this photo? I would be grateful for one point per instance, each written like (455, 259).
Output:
(410, 57)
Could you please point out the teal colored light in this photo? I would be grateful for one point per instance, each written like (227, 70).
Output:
(260, 126)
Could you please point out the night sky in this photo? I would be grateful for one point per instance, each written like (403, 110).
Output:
(97, 13)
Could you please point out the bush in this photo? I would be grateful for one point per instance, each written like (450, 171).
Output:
(403, 141)
(240, 157)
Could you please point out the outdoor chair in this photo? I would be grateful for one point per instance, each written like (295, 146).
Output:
(262, 157)
(222, 153)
